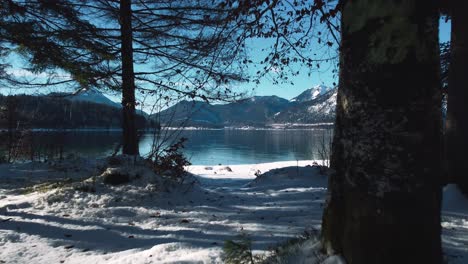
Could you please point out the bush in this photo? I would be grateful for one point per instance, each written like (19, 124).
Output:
(239, 251)
(172, 161)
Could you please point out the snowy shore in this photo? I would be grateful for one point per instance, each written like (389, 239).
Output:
(147, 222)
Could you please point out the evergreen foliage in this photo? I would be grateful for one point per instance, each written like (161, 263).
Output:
(239, 251)
(171, 161)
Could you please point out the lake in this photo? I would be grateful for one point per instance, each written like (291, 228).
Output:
(205, 147)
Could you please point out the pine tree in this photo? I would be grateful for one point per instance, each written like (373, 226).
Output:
(166, 49)
(130, 137)
(385, 189)
(457, 107)
(52, 35)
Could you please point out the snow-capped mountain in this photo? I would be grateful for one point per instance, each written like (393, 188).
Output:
(311, 94)
(319, 110)
(94, 96)
(257, 111)
(325, 103)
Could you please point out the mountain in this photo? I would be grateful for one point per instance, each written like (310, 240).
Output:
(194, 113)
(255, 111)
(87, 95)
(258, 111)
(311, 94)
(92, 96)
(319, 110)
(57, 112)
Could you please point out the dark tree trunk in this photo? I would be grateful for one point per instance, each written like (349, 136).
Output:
(457, 112)
(130, 137)
(383, 204)
(12, 116)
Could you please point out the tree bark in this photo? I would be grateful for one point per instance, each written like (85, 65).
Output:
(457, 106)
(383, 204)
(130, 137)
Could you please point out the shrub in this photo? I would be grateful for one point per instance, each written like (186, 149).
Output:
(172, 161)
(239, 251)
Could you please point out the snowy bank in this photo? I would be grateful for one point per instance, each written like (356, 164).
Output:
(144, 222)
(455, 225)
(152, 221)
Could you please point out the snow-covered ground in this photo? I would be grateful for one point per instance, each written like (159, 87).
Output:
(455, 225)
(149, 221)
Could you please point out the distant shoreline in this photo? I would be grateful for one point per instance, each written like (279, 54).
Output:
(290, 126)
(269, 127)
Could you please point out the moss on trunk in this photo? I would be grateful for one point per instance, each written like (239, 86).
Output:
(457, 112)
(385, 190)
(129, 129)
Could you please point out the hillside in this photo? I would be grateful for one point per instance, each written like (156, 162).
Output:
(255, 111)
(93, 96)
(315, 105)
(311, 94)
(55, 112)
(319, 110)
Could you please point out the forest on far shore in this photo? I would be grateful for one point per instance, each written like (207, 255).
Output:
(27, 112)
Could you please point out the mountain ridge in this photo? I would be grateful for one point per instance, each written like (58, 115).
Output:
(87, 95)
(312, 93)
(56, 112)
(91, 95)
(314, 105)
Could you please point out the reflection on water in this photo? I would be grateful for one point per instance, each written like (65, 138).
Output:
(207, 147)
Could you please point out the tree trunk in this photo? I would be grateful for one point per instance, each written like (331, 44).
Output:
(383, 204)
(457, 112)
(130, 137)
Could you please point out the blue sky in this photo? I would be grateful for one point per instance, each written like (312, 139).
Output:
(301, 82)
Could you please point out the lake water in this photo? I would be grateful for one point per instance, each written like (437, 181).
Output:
(206, 147)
